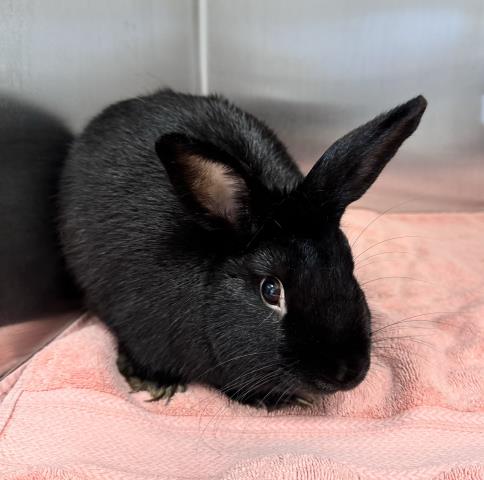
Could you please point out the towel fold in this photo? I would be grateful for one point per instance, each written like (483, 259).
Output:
(68, 413)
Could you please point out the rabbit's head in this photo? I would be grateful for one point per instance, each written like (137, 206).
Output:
(283, 312)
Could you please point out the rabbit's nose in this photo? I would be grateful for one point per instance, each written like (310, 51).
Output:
(345, 374)
(348, 373)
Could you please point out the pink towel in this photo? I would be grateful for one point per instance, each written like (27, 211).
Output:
(68, 413)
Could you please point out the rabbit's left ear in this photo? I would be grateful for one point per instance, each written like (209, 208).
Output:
(350, 166)
(204, 180)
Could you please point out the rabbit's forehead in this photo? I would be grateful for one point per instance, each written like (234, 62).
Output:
(306, 266)
(320, 283)
(328, 252)
(314, 262)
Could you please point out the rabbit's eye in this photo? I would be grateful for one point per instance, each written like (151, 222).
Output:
(271, 291)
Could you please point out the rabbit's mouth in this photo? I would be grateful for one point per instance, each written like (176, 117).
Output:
(343, 379)
(275, 400)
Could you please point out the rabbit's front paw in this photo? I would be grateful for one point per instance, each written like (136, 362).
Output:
(157, 389)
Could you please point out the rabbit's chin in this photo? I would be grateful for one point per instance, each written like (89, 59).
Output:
(320, 387)
(273, 400)
(303, 394)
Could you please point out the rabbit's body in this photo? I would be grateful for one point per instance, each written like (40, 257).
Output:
(175, 209)
(121, 218)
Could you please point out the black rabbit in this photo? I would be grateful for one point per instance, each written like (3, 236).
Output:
(197, 240)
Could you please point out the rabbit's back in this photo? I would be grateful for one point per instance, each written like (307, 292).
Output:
(117, 206)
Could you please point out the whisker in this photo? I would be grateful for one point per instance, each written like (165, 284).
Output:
(259, 382)
(266, 379)
(234, 382)
(286, 381)
(253, 388)
(387, 240)
(417, 327)
(359, 267)
(218, 415)
(394, 348)
(380, 253)
(409, 319)
(355, 241)
(412, 338)
(232, 359)
(404, 278)
(404, 337)
(284, 393)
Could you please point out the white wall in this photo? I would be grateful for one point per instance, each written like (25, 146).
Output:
(311, 69)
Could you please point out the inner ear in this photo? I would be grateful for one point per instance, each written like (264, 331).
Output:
(203, 178)
(216, 187)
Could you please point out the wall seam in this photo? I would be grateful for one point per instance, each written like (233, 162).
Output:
(201, 19)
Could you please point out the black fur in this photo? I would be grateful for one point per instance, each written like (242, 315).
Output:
(179, 284)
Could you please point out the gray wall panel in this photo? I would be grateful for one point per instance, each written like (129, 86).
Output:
(315, 69)
(74, 57)
(311, 69)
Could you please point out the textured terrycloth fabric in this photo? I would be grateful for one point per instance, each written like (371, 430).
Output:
(68, 414)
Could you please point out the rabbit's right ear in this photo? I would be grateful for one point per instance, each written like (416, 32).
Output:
(349, 167)
(204, 180)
